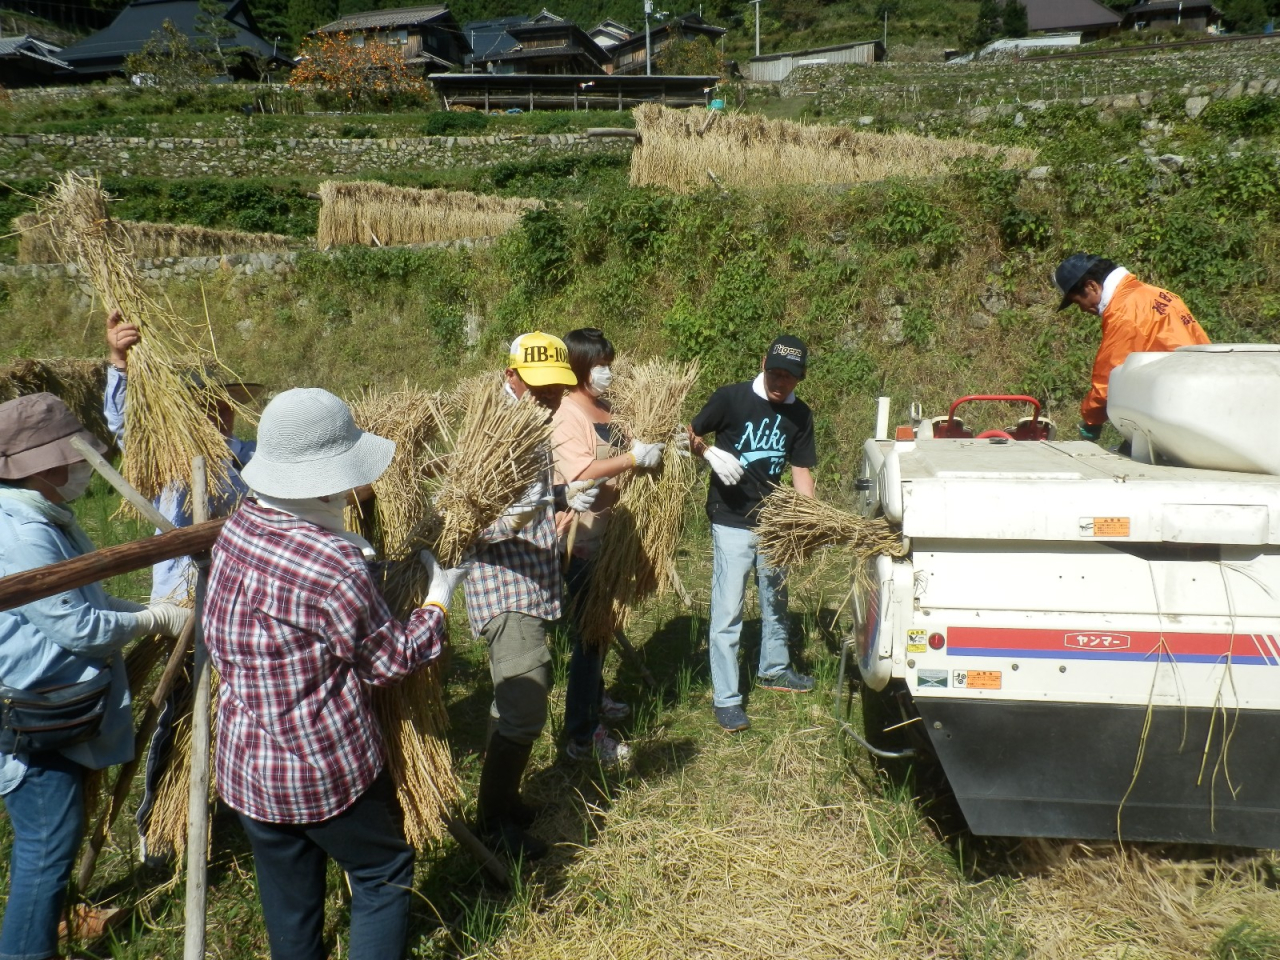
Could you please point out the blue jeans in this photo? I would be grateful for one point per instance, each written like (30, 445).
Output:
(585, 683)
(367, 841)
(46, 811)
(734, 555)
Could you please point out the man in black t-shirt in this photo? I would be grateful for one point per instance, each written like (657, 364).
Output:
(760, 427)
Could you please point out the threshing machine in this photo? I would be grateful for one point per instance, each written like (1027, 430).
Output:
(1089, 642)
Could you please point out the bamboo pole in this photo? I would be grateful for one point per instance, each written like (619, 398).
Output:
(32, 585)
(193, 942)
(121, 485)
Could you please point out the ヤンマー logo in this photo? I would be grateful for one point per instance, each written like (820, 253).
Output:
(1096, 641)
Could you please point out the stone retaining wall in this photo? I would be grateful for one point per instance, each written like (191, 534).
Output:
(46, 155)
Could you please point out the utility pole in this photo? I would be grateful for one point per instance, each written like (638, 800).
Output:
(757, 6)
(885, 42)
(648, 52)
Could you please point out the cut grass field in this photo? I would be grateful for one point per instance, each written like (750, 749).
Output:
(780, 841)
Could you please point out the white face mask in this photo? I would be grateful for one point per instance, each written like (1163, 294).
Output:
(78, 477)
(601, 380)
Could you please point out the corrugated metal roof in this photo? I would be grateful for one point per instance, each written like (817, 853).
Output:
(1068, 15)
(378, 19)
(1161, 5)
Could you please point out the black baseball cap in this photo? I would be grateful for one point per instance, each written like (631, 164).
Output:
(1070, 272)
(789, 354)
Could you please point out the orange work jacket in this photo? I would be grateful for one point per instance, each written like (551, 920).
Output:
(1139, 319)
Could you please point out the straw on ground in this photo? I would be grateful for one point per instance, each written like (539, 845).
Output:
(683, 149)
(377, 214)
(146, 241)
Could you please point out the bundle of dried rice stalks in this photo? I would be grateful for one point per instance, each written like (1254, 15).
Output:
(792, 527)
(78, 383)
(638, 546)
(411, 714)
(149, 240)
(165, 423)
(376, 214)
(499, 450)
(678, 149)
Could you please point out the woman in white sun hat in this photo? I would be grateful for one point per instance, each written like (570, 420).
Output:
(298, 632)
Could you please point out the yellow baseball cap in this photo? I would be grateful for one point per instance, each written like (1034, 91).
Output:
(541, 360)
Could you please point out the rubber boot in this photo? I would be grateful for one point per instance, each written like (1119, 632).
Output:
(499, 800)
(524, 814)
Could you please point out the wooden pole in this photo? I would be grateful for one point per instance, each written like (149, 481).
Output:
(193, 942)
(121, 485)
(634, 654)
(469, 842)
(31, 585)
(177, 658)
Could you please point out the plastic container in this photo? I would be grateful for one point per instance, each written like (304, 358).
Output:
(1216, 406)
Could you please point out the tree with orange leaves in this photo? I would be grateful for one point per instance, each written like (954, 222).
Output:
(365, 75)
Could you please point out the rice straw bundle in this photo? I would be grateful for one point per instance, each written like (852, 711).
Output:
(639, 544)
(677, 149)
(165, 423)
(499, 450)
(78, 383)
(411, 714)
(377, 214)
(792, 527)
(149, 240)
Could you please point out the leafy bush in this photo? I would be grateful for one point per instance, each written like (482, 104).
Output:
(1243, 116)
(446, 123)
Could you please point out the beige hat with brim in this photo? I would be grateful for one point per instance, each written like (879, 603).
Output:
(309, 446)
(35, 435)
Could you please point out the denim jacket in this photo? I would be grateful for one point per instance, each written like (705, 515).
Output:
(171, 579)
(61, 639)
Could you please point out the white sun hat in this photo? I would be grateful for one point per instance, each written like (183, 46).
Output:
(309, 446)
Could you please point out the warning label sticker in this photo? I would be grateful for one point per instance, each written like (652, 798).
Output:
(1104, 526)
(977, 679)
(931, 678)
(917, 648)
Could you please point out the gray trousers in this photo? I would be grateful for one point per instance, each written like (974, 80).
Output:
(520, 662)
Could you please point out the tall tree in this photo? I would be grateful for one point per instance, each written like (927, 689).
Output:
(1245, 16)
(1013, 19)
(987, 27)
(306, 15)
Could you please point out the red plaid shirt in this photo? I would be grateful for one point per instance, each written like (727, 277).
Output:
(296, 628)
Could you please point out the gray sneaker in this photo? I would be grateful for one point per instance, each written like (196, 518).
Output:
(788, 681)
(732, 718)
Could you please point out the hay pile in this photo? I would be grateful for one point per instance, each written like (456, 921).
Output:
(441, 501)
(638, 546)
(146, 241)
(792, 527)
(166, 425)
(376, 214)
(411, 714)
(677, 149)
(78, 383)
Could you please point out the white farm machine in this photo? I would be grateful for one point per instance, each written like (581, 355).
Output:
(1089, 643)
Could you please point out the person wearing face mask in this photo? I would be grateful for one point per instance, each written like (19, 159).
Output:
(1136, 318)
(760, 428)
(298, 631)
(584, 450)
(513, 593)
(65, 693)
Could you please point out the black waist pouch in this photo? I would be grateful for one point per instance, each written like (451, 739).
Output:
(32, 721)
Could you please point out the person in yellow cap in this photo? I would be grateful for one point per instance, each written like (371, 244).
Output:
(514, 592)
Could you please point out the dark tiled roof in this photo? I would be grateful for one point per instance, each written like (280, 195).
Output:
(104, 51)
(1068, 15)
(376, 19)
(1162, 5)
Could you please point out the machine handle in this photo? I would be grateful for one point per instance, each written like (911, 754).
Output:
(1009, 397)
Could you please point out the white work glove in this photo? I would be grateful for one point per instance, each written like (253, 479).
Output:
(166, 619)
(443, 582)
(680, 440)
(725, 464)
(580, 495)
(121, 605)
(647, 454)
(519, 515)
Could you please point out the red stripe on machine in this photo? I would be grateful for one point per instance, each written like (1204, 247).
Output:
(1109, 641)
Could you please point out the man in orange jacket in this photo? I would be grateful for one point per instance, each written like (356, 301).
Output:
(1136, 317)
